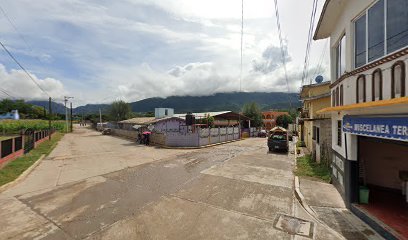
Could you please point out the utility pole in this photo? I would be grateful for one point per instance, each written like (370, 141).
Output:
(71, 119)
(49, 118)
(66, 111)
(100, 117)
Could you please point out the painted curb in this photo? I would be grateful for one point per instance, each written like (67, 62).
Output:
(23, 175)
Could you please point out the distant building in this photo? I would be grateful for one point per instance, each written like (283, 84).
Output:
(163, 112)
(315, 128)
(11, 115)
(269, 119)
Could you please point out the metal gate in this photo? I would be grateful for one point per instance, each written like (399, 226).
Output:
(29, 140)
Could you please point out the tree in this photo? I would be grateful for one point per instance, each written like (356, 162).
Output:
(25, 110)
(208, 119)
(119, 110)
(253, 111)
(284, 121)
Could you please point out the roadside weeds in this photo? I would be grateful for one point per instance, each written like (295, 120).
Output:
(306, 166)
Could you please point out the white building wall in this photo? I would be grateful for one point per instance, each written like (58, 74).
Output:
(161, 112)
(339, 149)
(350, 83)
(344, 25)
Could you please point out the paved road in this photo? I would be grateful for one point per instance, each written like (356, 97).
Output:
(102, 187)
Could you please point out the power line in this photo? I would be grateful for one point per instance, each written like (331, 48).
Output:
(15, 60)
(7, 93)
(282, 49)
(309, 40)
(15, 27)
(20, 35)
(318, 69)
(242, 40)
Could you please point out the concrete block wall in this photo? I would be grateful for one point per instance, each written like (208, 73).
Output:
(182, 140)
(125, 133)
(158, 138)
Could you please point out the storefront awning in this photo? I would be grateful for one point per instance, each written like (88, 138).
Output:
(381, 103)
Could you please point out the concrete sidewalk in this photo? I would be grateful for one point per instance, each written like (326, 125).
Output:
(326, 204)
(84, 154)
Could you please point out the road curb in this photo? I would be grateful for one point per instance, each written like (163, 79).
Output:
(23, 175)
(299, 196)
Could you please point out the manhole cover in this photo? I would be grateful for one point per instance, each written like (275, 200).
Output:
(294, 226)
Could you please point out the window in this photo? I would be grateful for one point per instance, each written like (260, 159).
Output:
(382, 29)
(339, 131)
(314, 133)
(361, 92)
(166, 112)
(341, 57)
(398, 80)
(333, 98)
(377, 85)
(397, 24)
(376, 31)
(317, 135)
(337, 97)
(360, 41)
(341, 95)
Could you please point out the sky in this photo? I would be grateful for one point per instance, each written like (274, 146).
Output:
(98, 51)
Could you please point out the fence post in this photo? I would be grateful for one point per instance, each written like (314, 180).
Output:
(198, 134)
(219, 134)
(13, 145)
(209, 135)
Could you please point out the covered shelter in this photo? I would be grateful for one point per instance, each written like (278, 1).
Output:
(129, 124)
(222, 118)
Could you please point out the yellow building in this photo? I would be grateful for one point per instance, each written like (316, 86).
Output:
(315, 128)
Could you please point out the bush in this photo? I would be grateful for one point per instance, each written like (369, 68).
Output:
(300, 144)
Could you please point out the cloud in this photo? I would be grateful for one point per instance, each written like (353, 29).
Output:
(20, 86)
(98, 51)
(271, 60)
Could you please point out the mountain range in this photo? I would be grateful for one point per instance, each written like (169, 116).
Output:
(182, 104)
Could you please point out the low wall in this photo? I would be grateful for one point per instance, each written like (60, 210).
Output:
(125, 133)
(201, 137)
(158, 139)
(12, 148)
(250, 132)
(182, 140)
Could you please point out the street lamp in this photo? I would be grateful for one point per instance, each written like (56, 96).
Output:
(66, 111)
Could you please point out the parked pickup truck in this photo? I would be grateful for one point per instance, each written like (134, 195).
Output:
(278, 139)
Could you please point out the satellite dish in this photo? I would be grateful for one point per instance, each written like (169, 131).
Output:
(319, 79)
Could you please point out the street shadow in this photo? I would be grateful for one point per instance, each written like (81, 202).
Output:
(282, 153)
(132, 144)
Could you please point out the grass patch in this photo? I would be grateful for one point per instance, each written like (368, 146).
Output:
(15, 168)
(306, 166)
